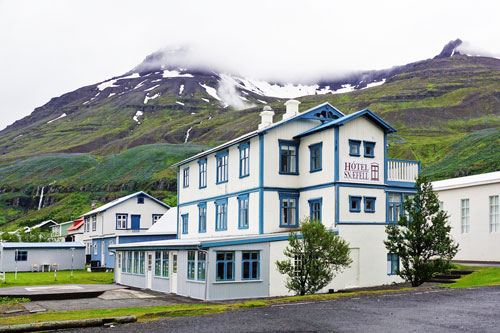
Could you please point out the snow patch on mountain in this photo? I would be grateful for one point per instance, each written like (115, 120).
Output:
(374, 84)
(152, 88)
(140, 84)
(174, 73)
(137, 115)
(180, 103)
(181, 89)
(206, 100)
(61, 116)
(147, 98)
(230, 96)
(211, 91)
(112, 83)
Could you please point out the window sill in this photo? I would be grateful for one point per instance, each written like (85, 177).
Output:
(315, 170)
(239, 281)
(196, 281)
(135, 274)
(289, 226)
(355, 155)
(370, 156)
(161, 277)
(244, 176)
(289, 173)
(222, 182)
(354, 211)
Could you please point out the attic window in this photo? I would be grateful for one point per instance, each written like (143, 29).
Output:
(354, 146)
(327, 115)
(140, 200)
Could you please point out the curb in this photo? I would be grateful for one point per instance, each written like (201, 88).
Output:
(56, 325)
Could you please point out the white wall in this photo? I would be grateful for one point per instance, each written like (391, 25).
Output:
(41, 256)
(479, 244)
(380, 205)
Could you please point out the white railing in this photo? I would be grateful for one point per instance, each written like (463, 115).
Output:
(402, 171)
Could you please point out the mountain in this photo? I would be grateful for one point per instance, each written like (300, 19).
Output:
(120, 135)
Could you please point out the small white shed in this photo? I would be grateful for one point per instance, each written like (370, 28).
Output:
(41, 256)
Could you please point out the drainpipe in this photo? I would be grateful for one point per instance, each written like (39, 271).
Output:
(206, 270)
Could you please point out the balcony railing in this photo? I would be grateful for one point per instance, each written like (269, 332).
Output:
(402, 171)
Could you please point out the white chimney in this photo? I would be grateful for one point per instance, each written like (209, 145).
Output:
(292, 109)
(266, 117)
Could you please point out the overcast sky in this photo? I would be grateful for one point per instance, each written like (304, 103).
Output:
(48, 48)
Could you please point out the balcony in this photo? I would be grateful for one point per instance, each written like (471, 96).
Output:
(402, 171)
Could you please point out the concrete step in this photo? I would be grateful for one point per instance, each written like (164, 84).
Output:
(461, 271)
(447, 276)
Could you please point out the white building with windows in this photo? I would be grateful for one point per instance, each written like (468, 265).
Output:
(238, 202)
(472, 205)
(123, 220)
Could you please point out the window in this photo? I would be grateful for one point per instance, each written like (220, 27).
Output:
(21, 255)
(124, 262)
(370, 204)
(185, 177)
(394, 207)
(289, 160)
(243, 211)
(369, 148)
(129, 262)
(202, 216)
(222, 160)
(315, 209)
(465, 216)
(185, 223)
(94, 222)
(494, 221)
(136, 262)
(244, 159)
(202, 164)
(315, 152)
(354, 147)
(191, 266)
(121, 221)
(95, 248)
(86, 225)
(392, 264)
(441, 205)
(297, 264)
(221, 214)
(157, 263)
(174, 263)
(156, 217)
(164, 263)
(289, 213)
(250, 265)
(141, 262)
(225, 266)
(354, 204)
(202, 266)
(140, 200)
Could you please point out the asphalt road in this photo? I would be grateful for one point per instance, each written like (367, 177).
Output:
(456, 310)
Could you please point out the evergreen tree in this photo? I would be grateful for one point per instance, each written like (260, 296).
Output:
(421, 238)
(314, 257)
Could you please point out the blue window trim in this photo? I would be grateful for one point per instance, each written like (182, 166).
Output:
(223, 223)
(284, 196)
(217, 157)
(126, 221)
(250, 261)
(185, 177)
(200, 206)
(185, 223)
(289, 143)
(318, 146)
(225, 261)
(316, 201)
(369, 144)
(391, 257)
(354, 198)
(189, 263)
(201, 263)
(241, 148)
(153, 217)
(140, 200)
(353, 143)
(399, 203)
(240, 199)
(366, 200)
(21, 255)
(204, 174)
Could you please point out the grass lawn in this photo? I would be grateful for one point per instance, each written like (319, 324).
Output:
(483, 276)
(63, 277)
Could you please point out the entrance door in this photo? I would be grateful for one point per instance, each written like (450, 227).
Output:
(173, 278)
(103, 253)
(149, 270)
(136, 222)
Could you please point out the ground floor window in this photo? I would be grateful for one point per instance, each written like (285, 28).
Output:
(225, 266)
(129, 262)
(191, 265)
(124, 262)
(164, 265)
(21, 255)
(494, 215)
(202, 261)
(250, 265)
(136, 261)
(157, 263)
(141, 262)
(392, 264)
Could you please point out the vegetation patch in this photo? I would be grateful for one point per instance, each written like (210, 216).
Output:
(482, 276)
(63, 277)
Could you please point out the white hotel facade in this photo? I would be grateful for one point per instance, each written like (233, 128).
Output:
(237, 203)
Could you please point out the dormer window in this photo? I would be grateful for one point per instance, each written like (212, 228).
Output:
(369, 148)
(354, 147)
(140, 200)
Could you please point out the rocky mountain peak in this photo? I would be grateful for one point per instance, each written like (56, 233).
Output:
(450, 49)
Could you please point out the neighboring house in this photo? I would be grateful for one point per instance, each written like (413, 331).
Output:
(123, 220)
(60, 230)
(41, 256)
(75, 231)
(238, 202)
(472, 204)
(43, 226)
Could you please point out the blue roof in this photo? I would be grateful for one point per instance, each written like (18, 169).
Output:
(43, 245)
(342, 120)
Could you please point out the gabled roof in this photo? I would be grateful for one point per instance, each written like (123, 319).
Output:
(118, 201)
(475, 180)
(53, 245)
(76, 224)
(42, 224)
(308, 114)
(341, 121)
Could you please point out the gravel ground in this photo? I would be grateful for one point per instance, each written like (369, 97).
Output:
(440, 310)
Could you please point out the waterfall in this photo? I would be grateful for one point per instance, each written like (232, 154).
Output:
(41, 199)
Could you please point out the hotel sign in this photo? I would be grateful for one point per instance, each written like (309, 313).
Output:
(360, 170)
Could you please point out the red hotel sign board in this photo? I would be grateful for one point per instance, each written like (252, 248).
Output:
(360, 170)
